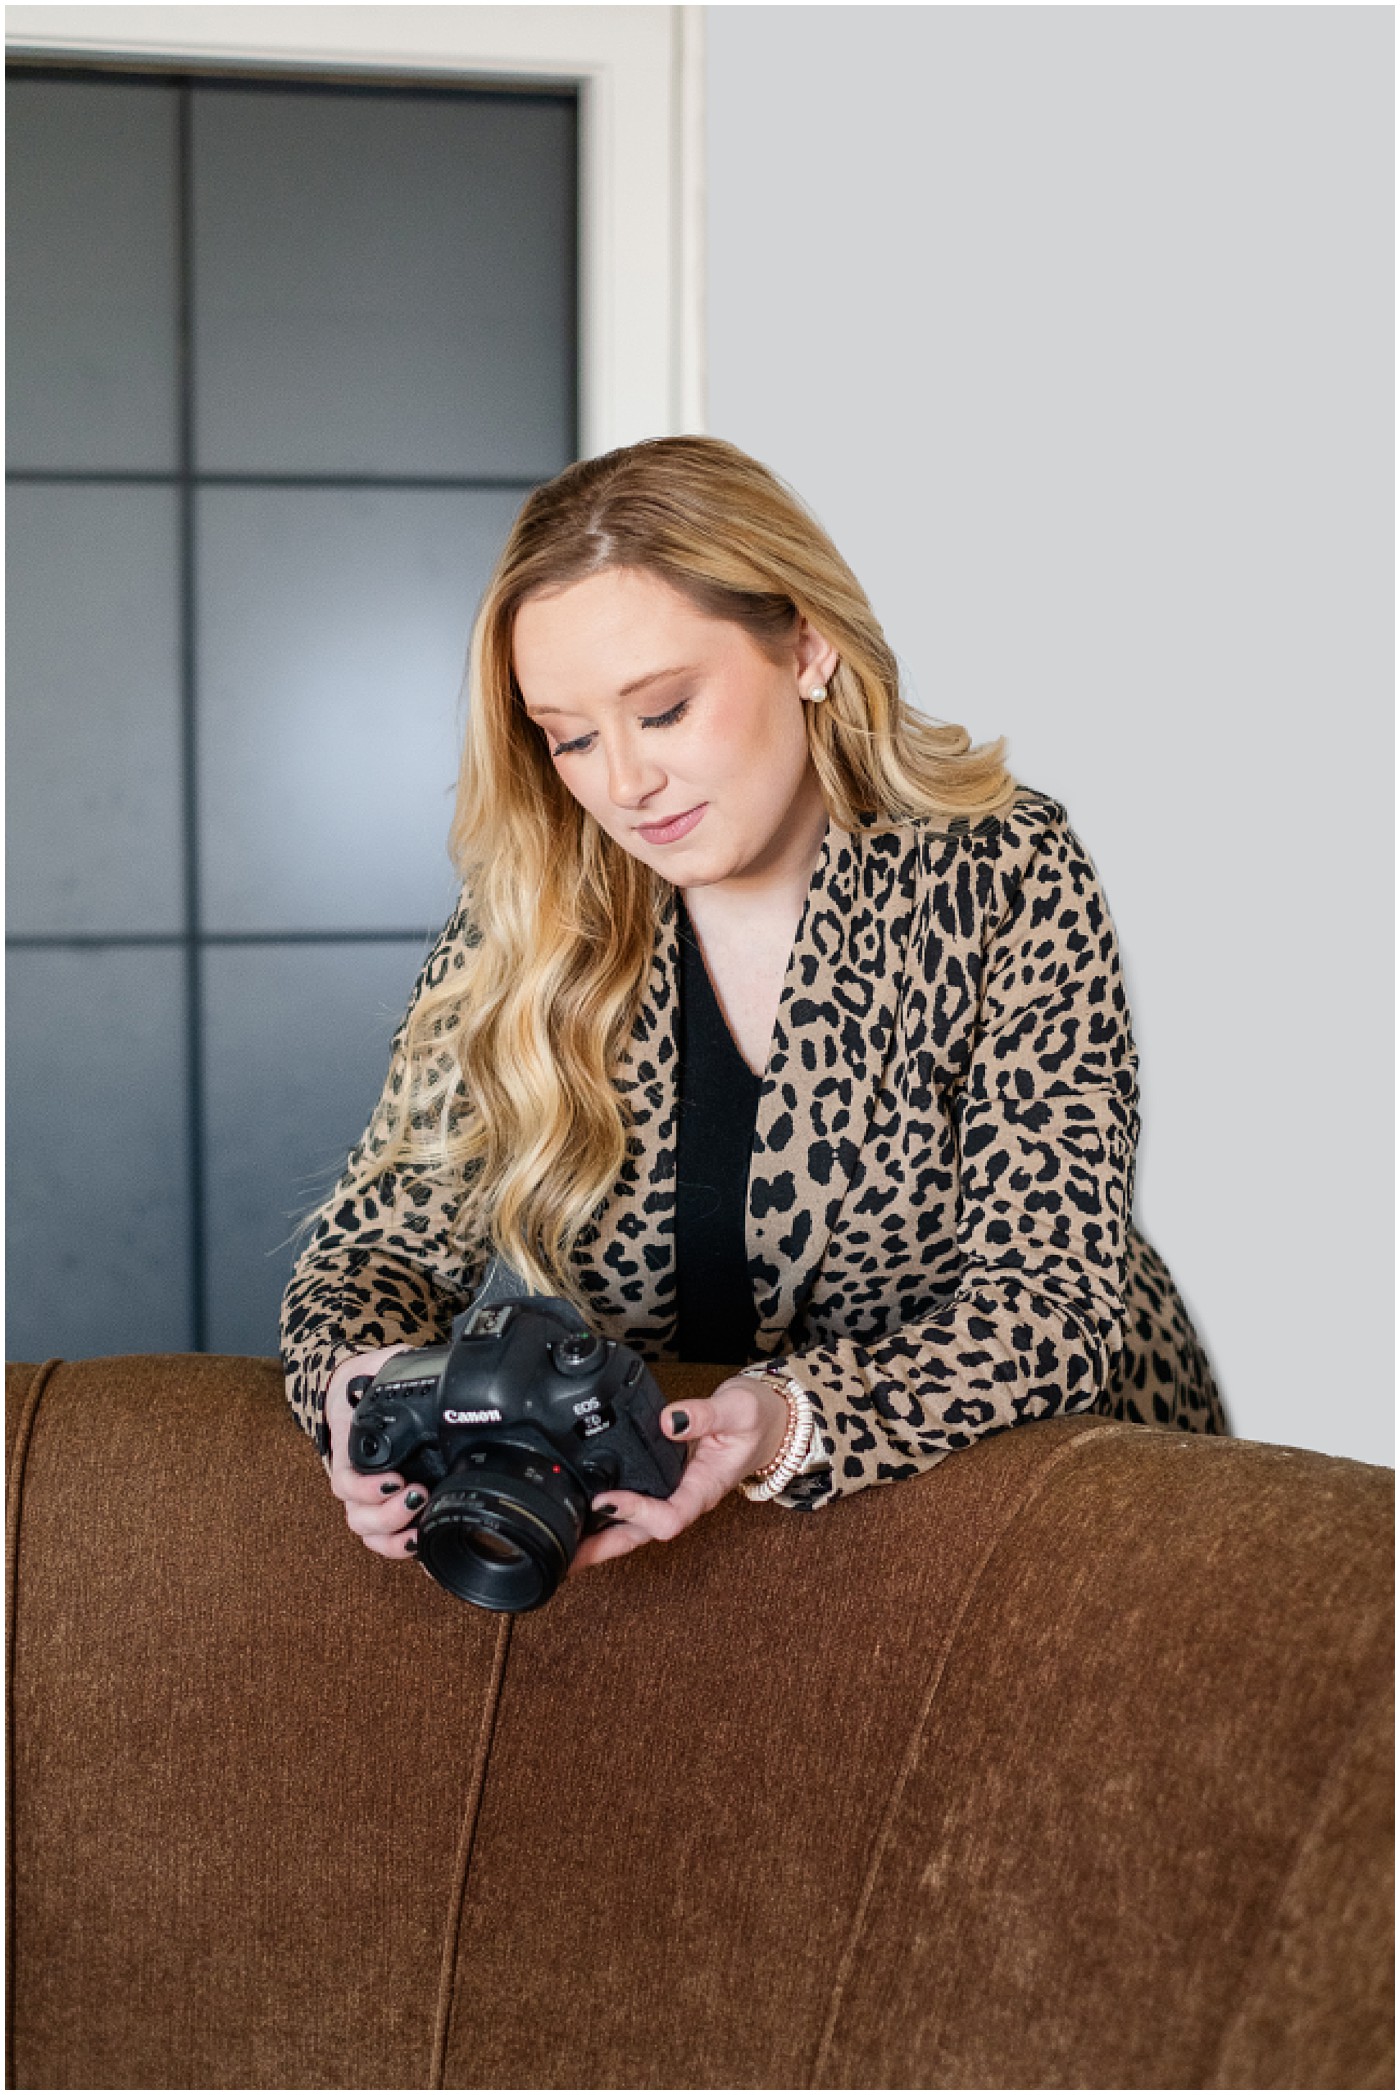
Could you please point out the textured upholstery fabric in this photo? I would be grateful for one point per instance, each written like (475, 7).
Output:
(1064, 1765)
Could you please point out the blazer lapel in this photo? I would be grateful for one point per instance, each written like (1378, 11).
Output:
(627, 1265)
(831, 1045)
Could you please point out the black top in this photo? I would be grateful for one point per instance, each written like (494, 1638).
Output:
(717, 1095)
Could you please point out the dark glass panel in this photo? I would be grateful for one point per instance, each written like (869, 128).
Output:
(384, 284)
(297, 1045)
(93, 716)
(333, 643)
(98, 1243)
(91, 275)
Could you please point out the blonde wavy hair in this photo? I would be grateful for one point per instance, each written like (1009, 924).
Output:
(503, 1074)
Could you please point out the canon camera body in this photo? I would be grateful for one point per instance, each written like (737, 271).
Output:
(516, 1424)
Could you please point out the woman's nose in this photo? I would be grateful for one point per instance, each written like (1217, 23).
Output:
(632, 777)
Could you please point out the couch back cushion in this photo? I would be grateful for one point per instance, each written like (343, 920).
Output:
(1064, 1765)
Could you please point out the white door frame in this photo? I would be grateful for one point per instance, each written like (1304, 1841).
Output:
(640, 76)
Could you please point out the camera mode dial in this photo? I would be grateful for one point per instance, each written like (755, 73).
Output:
(579, 1354)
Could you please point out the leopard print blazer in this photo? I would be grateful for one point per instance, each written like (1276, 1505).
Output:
(940, 1191)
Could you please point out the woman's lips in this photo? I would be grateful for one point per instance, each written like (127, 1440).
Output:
(678, 826)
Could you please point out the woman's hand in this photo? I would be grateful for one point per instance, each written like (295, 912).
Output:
(380, 1511)
(731, 1434)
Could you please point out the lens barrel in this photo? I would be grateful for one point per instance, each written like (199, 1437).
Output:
(502, 1527)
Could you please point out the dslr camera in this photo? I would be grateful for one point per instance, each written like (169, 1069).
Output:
(515, 1425)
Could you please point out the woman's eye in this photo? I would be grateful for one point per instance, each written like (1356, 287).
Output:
(567, 749)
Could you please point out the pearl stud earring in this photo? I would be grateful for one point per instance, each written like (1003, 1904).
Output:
(816, 694)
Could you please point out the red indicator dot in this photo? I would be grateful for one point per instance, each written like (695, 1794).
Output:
(558, 1470)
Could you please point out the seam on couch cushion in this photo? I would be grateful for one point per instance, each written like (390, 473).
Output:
(471, 1812)
(1097, 1432)
(1309, 1836)
(14, 1495)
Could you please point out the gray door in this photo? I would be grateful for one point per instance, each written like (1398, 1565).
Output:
(284, 358)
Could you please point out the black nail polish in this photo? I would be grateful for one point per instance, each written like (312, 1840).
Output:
(356, 1387)
(387, 1487)
(680, 1420)
(410, 1543)
(413, 1500)
(611, 1511)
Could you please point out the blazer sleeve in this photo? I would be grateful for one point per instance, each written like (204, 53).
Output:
(1047, 1126)
(382, 1264)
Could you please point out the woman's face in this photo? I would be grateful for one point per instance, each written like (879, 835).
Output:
(653, 711)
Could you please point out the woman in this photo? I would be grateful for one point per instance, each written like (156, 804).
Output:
(775, 1026)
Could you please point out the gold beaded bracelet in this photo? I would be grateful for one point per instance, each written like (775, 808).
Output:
(775, 1476)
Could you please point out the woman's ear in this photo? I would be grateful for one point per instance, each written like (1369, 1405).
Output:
(816, 657)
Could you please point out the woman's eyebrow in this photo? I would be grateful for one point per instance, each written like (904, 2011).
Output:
(653, 676)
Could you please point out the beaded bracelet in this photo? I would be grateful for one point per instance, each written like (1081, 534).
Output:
(775, 1476)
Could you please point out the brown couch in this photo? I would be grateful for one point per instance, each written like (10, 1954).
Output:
(1067, 1766)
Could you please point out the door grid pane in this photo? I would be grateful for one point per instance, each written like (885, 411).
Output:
(91, 270)
(382, 285)
(96, 1157)
(332, 638)
(93, 841)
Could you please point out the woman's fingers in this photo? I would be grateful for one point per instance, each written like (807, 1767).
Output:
(728, 1435)
(355, 1375)
(596, 1549)
(365, 1491)
(386, 1516)
(729, 1412)
(638, 1519)
(744, 1417)
(382, 1510)
(646, 1519)
(400, 1546)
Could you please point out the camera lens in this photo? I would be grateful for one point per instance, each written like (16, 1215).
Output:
(502, 1528)
(490, 1547)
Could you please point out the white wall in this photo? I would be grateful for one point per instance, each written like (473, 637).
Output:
(1074, 325)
